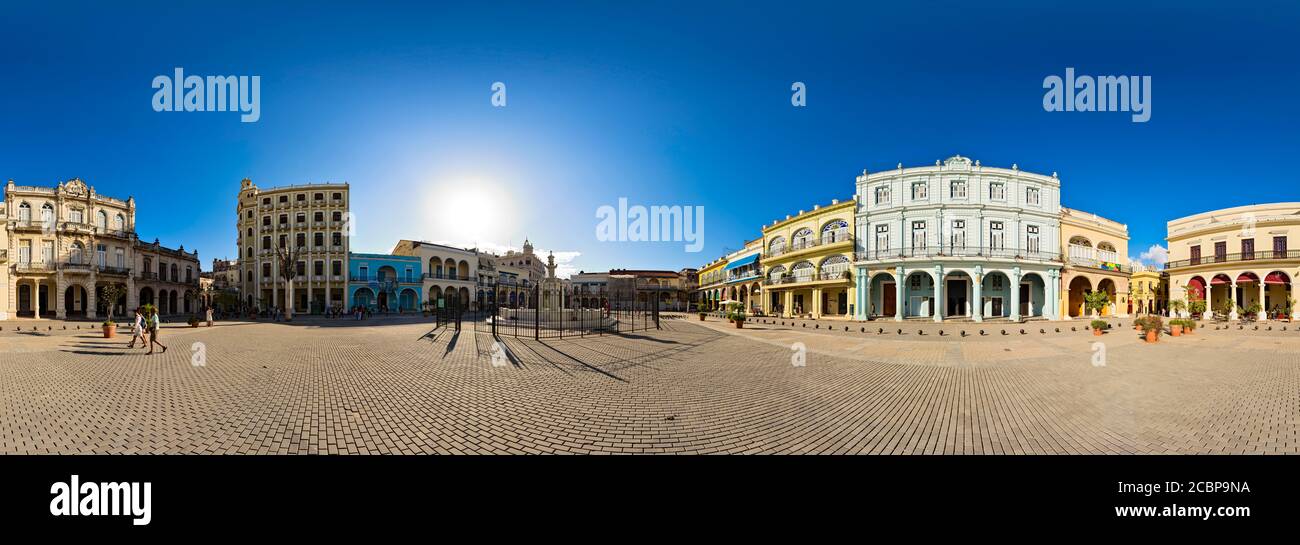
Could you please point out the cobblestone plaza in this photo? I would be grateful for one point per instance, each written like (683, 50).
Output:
(387, 387)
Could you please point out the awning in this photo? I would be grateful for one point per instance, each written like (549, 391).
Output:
(1219, 281)
(1247, 278)
(1276, 278)
(747, 260)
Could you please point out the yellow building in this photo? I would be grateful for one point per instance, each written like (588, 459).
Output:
(807, 261)
(1148, 291)
(1238, 259)
(711, 280)
(1095, 250)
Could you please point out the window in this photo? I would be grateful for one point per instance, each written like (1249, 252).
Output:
(121, 258)
(338, 196)
(318, 268)
(318, 197)
(802, 271)
(300, 240)
(337, 216)
(266, 220)
(175, 276)
(25, 213)
(919, 191)
(101, 255)
(284, 198)
(266, 270)
(364, 272)
(918, 235)
(319, 216)
(284, 241)
(336, 239)
(336, 268)
(248, 214)
(25, 252)
(250, 249)
(266, 243)
(249, 232)
(47, 215)
(300, 268)
(1279, 247)
(408, 274)
(301, 197)
(119, 222)
(835, 231)
(915, 280)
(882, 238)
(957, 237)
(998, 191)
(189, 275)
(996, 281)
(47, 251)
(1032, 244)
(266, 201)
(77, 216)
(74, 254)
(1032, 196)
(997, 240)
(1248, 248)
(882, 194)
(802, 239)
(318, 239)
(101, 220)
(301, 218)
(284, 219)
(776, 246)
(957, 190)
(1196, 252)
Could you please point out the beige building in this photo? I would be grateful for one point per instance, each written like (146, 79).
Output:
(1237, 258)
(1149, 291)
(311, 219)
(63, 245)
(1095, 251)
(450, 273)
(808, 262)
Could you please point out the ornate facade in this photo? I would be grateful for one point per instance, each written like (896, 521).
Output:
(807, 263)
(64, 246)
(450, 273)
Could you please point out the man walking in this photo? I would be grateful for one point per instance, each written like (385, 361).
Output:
(152, 324)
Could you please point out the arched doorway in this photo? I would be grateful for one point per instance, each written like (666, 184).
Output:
(996, 293)
(75, 301)
(958, 290)
(406, 300)
(1107, 285)
(1277, 289)
(1248, 292)
(1033, 295)
(918, 295)
(884, 297)
(1079, 286)
(364, 297)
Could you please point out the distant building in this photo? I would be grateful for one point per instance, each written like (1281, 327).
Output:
(386, 283)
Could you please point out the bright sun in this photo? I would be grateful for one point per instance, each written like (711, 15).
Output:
(470, 211)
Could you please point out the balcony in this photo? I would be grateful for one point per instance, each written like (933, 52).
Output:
(29, 225)
(801, 245)
(452, 277)
(76, 227)
(147, 275)
(1267, 255)
(115, 233)
(29, 267)
(959, 252)
(75, 267)
(114, 271)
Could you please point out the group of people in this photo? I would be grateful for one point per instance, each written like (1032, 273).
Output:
(146, 323)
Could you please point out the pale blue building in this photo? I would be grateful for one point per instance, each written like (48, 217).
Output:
(382, 282)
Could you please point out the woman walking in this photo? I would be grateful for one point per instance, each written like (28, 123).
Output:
(209, 316)
(153, 331)
(137, 331)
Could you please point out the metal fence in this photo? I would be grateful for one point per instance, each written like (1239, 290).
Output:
(567, 313)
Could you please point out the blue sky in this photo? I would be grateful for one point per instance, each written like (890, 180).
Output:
(662, 103)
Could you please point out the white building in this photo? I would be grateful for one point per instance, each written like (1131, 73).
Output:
(957, 239)
(450, 273)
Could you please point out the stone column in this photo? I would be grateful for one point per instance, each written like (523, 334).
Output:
(132, 296)
(939, 301)
(1209, 302)
(36, 298)
(92, 297)
(899, 285)
(788, 307)
(977, 306)
(1290, 289)
(1232, 297)
(817, 303)
(60, 310)
(1263, 312)
(862, 295)
(1015, 294)
(1054, 293)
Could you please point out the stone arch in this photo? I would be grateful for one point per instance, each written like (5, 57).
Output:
(449, 268)
(407, 299)
(803, 271)
(1078, 240)
(1036, 303)
(918, 293)
(364, 297)
(776, 245)
(462, 269)
(995, 288)
(1079, 285)
(76, 300)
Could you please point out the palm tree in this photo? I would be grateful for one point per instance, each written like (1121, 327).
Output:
(288, 258)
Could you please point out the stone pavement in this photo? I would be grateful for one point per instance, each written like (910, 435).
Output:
(358, 387)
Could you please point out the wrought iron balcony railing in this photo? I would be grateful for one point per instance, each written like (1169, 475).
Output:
(1266, 255)
(958, 251)
(809, 243)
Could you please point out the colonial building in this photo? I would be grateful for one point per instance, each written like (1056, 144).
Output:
(590, 289)
(1149, 291)
(712, 276)
(957, 240)
(807, 260)
(450, 273)
(667, 288)
(310, 220)
(1096, 252)
(1238, 259)
(63, 246)
(386, 283)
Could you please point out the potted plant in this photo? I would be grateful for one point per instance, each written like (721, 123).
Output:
(737, 315)
(110, 329)
(1176, 308)
(1196, 307)
(702, 314)
(193, 321)
(1176, 327)
(1151, 326)
(1288, 306)
(1098, 327)
(1189, 326)
(1252, 311)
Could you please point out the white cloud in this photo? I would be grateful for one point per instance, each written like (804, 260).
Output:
(1156, 255)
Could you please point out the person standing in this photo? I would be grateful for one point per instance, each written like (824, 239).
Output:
(137, 331)
(209, 316)
(152, 324)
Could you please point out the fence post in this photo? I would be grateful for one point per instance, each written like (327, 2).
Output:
(537, 316)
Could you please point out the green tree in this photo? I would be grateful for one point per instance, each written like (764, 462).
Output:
(1095, 301)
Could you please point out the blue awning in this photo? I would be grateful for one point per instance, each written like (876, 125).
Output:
(747, 260)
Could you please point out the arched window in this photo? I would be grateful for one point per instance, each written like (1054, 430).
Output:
(802, 271)
(25, 213)
(776, 246)
(47, 215)
(101, 220)
(119, 222)
(834, 267)
(835, 231)
(774, 275)
(802, 239)
(76, 253)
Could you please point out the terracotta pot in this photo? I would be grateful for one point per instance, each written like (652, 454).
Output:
(701, 317)
(1176, 331)
(1152, 337)
(110, 331)
(740, 324)
(1096, 332)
